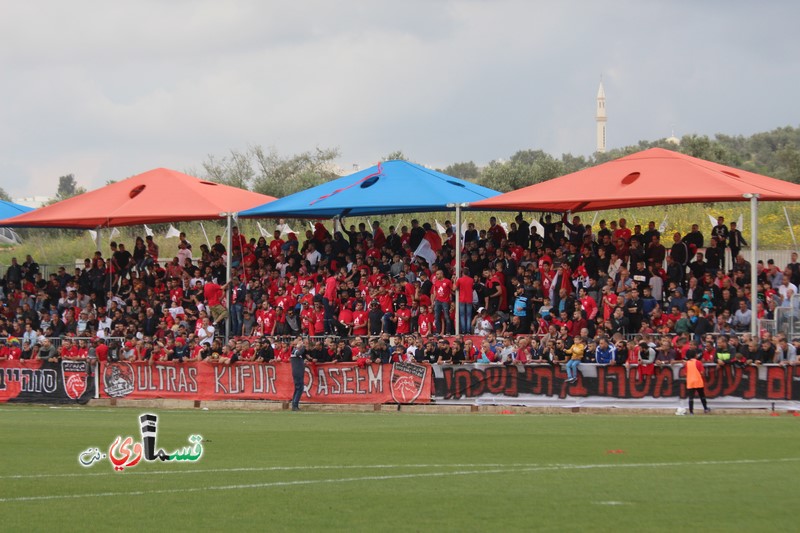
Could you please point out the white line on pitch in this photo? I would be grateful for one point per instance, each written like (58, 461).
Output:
(555, 467)
(264, 469)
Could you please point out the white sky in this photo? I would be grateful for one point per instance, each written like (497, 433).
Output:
(106, 90)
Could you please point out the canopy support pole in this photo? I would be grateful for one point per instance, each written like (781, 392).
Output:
(753, 261)
(228, 263)
(458, 267)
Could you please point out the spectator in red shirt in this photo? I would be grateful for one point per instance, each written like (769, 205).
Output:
(307, 318)
(464, 286)
(495, 233)
(377, 235)
(329, 299)
(360, 320)
(623, 231)
(425, 321)
(403, 319)
(443, 291)
(213, 294)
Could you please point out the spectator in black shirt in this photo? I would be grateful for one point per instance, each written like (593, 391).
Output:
(714, 255)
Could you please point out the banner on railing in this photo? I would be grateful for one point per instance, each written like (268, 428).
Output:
(74, 381)
(768, 382)
(324, 383)
(41, 381)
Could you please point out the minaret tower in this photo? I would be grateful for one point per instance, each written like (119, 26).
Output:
(600, 117)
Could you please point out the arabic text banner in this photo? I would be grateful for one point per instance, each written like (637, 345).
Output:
(324, 383)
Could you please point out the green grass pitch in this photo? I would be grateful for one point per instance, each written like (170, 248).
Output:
(313, 471)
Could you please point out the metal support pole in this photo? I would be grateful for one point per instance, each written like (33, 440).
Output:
(228, 294)
(458, 267)
(753, 262)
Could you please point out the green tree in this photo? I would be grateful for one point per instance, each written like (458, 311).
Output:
(280, 176)
(235, 169)
(268, 172)
(466, 171)
(397, 155)
(4, 195)
(67, 188)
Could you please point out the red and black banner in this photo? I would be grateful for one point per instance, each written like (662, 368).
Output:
(324, 383)
(73, 381)
(618, 382)
(44, 382)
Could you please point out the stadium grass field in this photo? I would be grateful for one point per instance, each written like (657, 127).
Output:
(313, 471)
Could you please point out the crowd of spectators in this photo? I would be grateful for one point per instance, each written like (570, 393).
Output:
(570, 294)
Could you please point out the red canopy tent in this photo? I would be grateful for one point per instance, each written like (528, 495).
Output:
(156, 196)
(651, 177)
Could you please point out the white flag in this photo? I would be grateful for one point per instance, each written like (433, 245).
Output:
(147, 231)
(114, 233)
(740, 223)
(262, 231)
(439, 228)
(503, 225)
(93, 235)
(425, 251)
(311, 225)
(663, 226)
(713, 221)
(172, 232)
(464, 227)
(284, 229)
(539, 227)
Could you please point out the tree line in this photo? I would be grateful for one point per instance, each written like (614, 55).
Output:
(774, 153)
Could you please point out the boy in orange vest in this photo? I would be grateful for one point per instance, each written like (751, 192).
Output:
(695, 381)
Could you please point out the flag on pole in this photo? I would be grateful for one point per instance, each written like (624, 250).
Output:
(713, 221)
(114, 233)
(202, 227)
(262, 231)
(464, 227)
(93, 235)
(284, 229)
(503, 225)
(430, 244)
(439, 227)
(172, 232)
(740, 221)
(539, 227)
(147, 231)
(663, 226)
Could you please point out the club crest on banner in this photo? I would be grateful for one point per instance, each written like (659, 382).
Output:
(118, 379)
(407, 381)
(73, 374)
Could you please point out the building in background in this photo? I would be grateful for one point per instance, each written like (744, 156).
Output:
(600, 118)
(33, 201)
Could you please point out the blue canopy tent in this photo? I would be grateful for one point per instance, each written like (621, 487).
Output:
(388, 188)
(8, 210)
